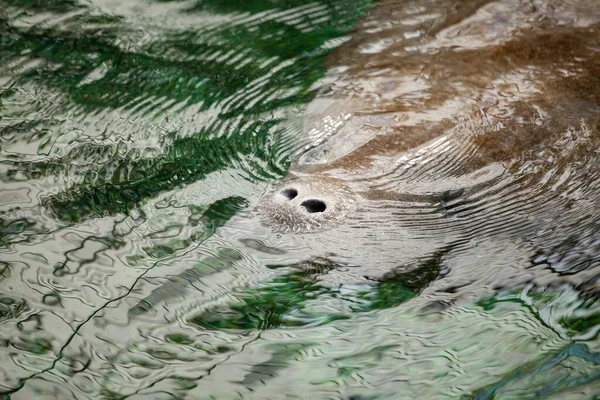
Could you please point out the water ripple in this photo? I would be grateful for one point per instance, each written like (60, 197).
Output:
(138, 139)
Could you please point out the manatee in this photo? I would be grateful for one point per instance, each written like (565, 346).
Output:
(455, 153)
(472, 134)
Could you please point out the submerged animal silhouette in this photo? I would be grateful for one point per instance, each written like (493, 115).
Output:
(462, 147)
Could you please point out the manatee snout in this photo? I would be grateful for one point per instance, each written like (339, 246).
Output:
(306, 204)
(310, 205)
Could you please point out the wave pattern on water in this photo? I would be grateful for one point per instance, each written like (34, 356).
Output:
(106, 110)
(137, 137)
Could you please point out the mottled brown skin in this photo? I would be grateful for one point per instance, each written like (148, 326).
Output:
(464, 76)
(512, 87)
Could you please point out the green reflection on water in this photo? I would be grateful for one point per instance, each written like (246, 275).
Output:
(151, 80)
(279, 303)
(284, 301)
(549, 375)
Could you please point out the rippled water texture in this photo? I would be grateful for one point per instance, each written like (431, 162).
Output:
(285, 199)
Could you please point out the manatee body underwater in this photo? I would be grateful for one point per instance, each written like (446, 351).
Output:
(451, 162)
(487, 154)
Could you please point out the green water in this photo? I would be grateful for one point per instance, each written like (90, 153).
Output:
(133, 135)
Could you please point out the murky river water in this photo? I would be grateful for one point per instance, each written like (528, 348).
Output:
(279, 199)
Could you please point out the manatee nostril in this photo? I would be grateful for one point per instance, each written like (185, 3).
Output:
(314, 206)
(290, 194)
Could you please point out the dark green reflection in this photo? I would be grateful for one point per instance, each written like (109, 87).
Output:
(11, 308)
(278, 303)
(401, 285)
(581, 324)
(256, 6)
(58, 6)
(187, 160)
(283, 301)
(173, 68)
(546, 377)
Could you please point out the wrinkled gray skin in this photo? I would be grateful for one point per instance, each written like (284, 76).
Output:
(468, 135)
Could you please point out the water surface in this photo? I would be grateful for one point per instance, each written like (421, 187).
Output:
(138, 138)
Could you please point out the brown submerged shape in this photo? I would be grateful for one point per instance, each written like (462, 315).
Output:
(470, 131)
